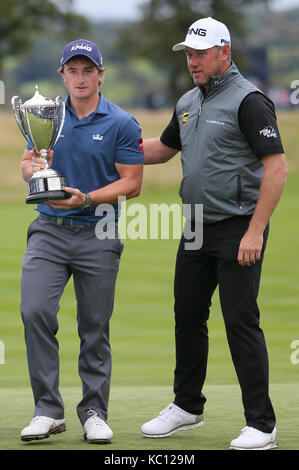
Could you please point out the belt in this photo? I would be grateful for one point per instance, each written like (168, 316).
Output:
(68, 221)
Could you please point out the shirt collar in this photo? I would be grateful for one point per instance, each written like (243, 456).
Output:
(102, 107)
(216, 82)
(228, 75)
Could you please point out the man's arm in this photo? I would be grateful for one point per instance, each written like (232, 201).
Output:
(156, 152)
(160, 150)
(272, 184)
(129, 185)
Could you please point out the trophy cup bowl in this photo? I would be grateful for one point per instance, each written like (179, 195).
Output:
(40, 121)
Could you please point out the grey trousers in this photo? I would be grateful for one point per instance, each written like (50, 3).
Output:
(54, 254)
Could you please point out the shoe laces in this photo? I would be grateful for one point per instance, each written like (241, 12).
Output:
(169, 411)
(93, 415)
(248, 431)
(38, 418)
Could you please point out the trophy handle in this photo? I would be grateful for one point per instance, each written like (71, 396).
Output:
(16, 106)
(59, 101)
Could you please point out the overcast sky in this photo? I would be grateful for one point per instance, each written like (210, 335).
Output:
(128, 9)
(109, 9)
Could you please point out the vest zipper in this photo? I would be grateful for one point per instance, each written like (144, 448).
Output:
(239, 191)
(198, 115)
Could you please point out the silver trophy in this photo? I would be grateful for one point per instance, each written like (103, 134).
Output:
(41, 120)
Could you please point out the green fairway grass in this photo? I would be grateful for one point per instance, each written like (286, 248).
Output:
(142, 326)
(143, 342)
(131, 406)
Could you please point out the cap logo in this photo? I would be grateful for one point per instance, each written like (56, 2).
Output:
(81, 46)
(197, 31)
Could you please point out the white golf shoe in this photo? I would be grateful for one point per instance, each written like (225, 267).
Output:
(253, 439)
(41, 427)
(96, 431)
(172, 419)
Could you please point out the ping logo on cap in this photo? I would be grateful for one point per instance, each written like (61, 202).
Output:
(197, 31)
(84, 47)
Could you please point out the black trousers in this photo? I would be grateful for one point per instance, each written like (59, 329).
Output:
(198, 272)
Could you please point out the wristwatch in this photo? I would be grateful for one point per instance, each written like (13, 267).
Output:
(87, 202)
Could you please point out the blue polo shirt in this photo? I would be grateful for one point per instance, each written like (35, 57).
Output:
(87, 150)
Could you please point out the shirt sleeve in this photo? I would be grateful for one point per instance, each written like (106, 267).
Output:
(129, 149)
(257, 121)
(171, 134)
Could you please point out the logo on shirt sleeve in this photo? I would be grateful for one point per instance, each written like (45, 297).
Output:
(268, 132)
(140, 144)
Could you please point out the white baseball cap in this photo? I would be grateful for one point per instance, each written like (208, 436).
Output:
(204, 34)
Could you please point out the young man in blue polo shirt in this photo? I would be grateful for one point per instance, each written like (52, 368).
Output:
(100, 154)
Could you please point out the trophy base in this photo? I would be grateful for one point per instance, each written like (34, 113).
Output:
(47, 196)
(46, 185)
